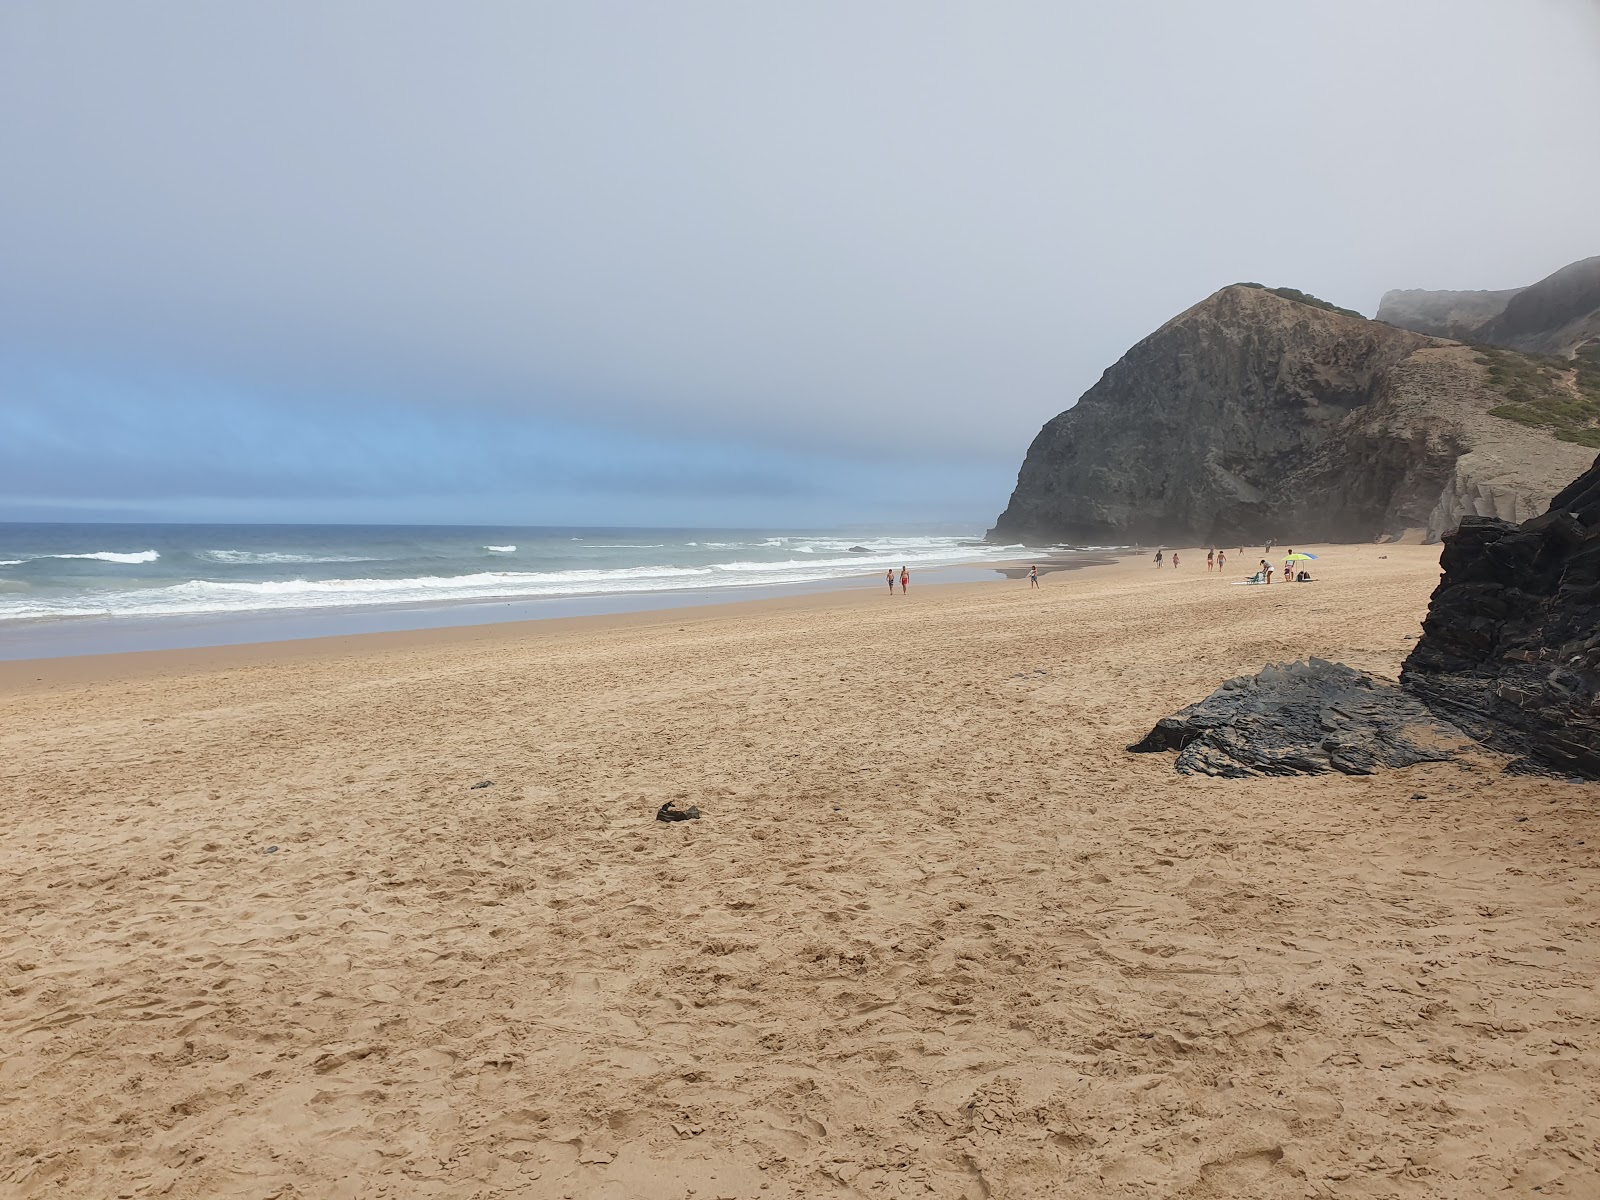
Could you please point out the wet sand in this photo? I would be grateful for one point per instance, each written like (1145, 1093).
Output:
(937, 934)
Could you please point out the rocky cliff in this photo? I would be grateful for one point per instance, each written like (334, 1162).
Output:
(1511, 645)
(1457, 315)
(1557, 315)
(1254, 415)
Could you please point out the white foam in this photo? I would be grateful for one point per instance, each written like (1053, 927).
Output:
(818, 560)
(273, 558)
(501, 549)
(12, 562)
(140, 556)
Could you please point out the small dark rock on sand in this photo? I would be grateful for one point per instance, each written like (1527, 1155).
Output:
(671, 812)
(484, 784)
(1304, 718)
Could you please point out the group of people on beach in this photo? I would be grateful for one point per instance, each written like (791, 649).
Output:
(905, 581)
(1217, 560)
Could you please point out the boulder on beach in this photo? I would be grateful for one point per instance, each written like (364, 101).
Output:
(1304, 718)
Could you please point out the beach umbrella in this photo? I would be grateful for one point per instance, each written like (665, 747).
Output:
(1299, 558)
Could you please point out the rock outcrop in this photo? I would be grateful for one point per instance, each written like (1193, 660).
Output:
(1510, 649)
(1253, 415)
(1306, 718)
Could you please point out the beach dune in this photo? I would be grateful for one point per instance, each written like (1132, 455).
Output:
(936, 934)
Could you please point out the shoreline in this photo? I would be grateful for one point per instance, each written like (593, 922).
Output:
(48, 639)
(21, 676)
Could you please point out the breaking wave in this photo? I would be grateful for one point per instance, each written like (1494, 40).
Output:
(273, 558)
(112, 556)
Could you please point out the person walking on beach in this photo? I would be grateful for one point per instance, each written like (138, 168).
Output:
(905, 581)
(1033, 577)
(1222, 561)
(1158, 560)
(1174, 560)
(890, 578)
(1211, 558)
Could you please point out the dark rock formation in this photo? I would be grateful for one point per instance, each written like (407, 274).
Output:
(1254, 415)
(1305, 718)
(1511, 645)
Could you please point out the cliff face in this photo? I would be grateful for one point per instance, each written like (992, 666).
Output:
(1511, 645)
(1554, 316)
(1457, 315)
(1252, 415)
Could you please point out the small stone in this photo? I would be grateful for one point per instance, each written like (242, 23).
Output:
(270, 850)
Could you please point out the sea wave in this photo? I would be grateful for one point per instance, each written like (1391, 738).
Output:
(501, 549)
(113, 556)
(821, 559)
(274, 558)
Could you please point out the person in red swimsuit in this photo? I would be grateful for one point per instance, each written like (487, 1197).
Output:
(905, 581)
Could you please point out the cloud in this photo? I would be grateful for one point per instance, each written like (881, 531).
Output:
(72, 443)
(903, 233)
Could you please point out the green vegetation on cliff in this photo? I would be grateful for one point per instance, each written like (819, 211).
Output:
(1562, 395)
(1300, 297)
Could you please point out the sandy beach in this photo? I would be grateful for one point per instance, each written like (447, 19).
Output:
(937, 933)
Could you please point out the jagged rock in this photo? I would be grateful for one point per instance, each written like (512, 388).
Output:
(1510, 649)
(1304, 718)
(1253, 415)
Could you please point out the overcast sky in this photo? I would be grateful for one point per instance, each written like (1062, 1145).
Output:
(718, 263)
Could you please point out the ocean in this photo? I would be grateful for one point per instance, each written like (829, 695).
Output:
(70, 588)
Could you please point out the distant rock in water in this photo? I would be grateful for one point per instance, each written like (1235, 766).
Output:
(858, 550)
(1510, 649)
(1306, 718)
(1265, 413)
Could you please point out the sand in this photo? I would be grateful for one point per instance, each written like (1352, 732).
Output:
(936, 935)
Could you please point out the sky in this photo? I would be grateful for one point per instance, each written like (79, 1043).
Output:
(707, 263)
